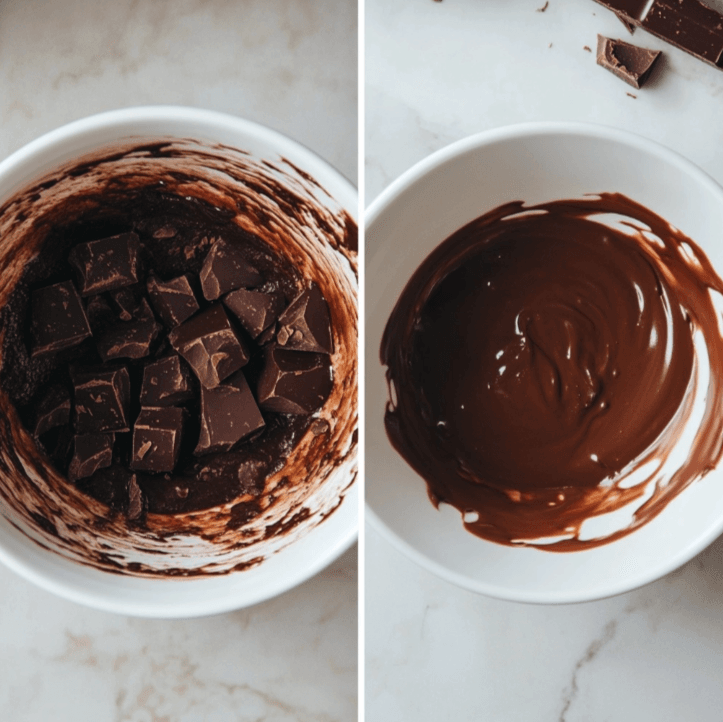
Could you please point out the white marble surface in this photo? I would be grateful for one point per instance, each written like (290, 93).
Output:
(289, 64)
(436, 72)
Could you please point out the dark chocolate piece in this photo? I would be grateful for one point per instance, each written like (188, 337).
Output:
(128, 340)
(102, 399)
(228, 413)
(628, 62)
(157, 439)
(106, 264)
(210, 345)
(267, 336)
(131, 304)
(293, 382)
(255, 310)
(305, 325)
(137, 501)
(166, 382)
(58, 318)
(174, 300)
(53, 410)
(225, 269)
(92, 452)
(100, 314)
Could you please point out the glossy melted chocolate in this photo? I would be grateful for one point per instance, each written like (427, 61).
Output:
(538, 359)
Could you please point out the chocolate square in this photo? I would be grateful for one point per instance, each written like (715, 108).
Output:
(166, 382)
(210, 345)
(92, 452)
(255, 310)
(628, 62)
(102, 399)
(174, 300)
(228, 414)
(58, 318)
(225, 269)
(306, 324)
(157, 439)
(106, 264)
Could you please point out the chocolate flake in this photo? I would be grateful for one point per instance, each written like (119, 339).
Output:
(306, 325)
(157, 439)
(166, 382)
(102, 399)
(106, 264)
(628, 62)
(255, 310)
(225, 269)
(174, 300)
(92, 452)
(58, 318)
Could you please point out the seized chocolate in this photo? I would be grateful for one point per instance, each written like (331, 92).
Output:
(53, 410)
(132, 340)
(58, 318)
(174, 300)
(628, 62)
(210, 345)
(687, 24)
(306, 325)
(255, 310)
(106, 264)
(293, 382)
(166, 382)
(92, 452)
(102, 399)
(157, 437)
(225, 269)
(228, 414)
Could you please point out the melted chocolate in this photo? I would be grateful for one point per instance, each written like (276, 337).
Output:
(540, 358)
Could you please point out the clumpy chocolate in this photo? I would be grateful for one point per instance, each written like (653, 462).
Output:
(134, 352)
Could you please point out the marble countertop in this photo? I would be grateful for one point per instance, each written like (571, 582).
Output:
(289, 64)
(437, 72)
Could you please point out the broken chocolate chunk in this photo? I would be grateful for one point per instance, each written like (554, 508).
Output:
(106, 264)
(228, 413)
(166, 382)
(305, 325)
(210, 345)
(58, 318)
(92, 452)
(157, 439)
(128, 340)
(628, 62)
(102, 399)
(53, 410)
(293, 382)
(174, 300)
(225, 269)
(255, 310)
(137, 501)
(100, 314)
(131, 304)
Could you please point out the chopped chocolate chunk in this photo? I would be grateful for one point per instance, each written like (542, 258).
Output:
(137, 501)
(166, 382)
(58, 318)
(99, 313)
(106, 264)
(255, 310)
(102, 399)
(157, 439)
(210, 345)
(228, 414)
(305, 325)
(174, 300)
(131, 304)
(128, 340)
(92, 452)
(225, 269)
(293, 382)
(628, 62)
(53, 410)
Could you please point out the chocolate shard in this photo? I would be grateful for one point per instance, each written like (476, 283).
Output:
(137, 502)
(305, 325)
(293, 382)
(102, 399)
(210, 345)
(92, 452)
(106, 264)
(225, 269)
(228, 413)
(166, 382)
(128, 340)
(131, 304)
(255, 310)
(173, 300)
(628, 62)
(58, 318)
(157, 437)
(53, 410)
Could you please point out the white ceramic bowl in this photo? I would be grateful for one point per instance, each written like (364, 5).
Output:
(316, 540)
(533, 163)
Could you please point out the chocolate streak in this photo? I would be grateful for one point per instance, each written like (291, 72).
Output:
(544, 365)
(298, 221)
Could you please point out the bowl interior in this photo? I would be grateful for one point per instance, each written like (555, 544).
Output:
(533, 164)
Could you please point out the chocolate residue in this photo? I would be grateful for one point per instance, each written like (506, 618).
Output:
(549, 366)
(297, 221)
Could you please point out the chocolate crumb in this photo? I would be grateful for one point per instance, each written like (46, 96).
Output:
(543, 8)
(587, 47)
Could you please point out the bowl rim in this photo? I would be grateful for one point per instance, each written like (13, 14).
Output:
(346, 194)
(416, 174)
